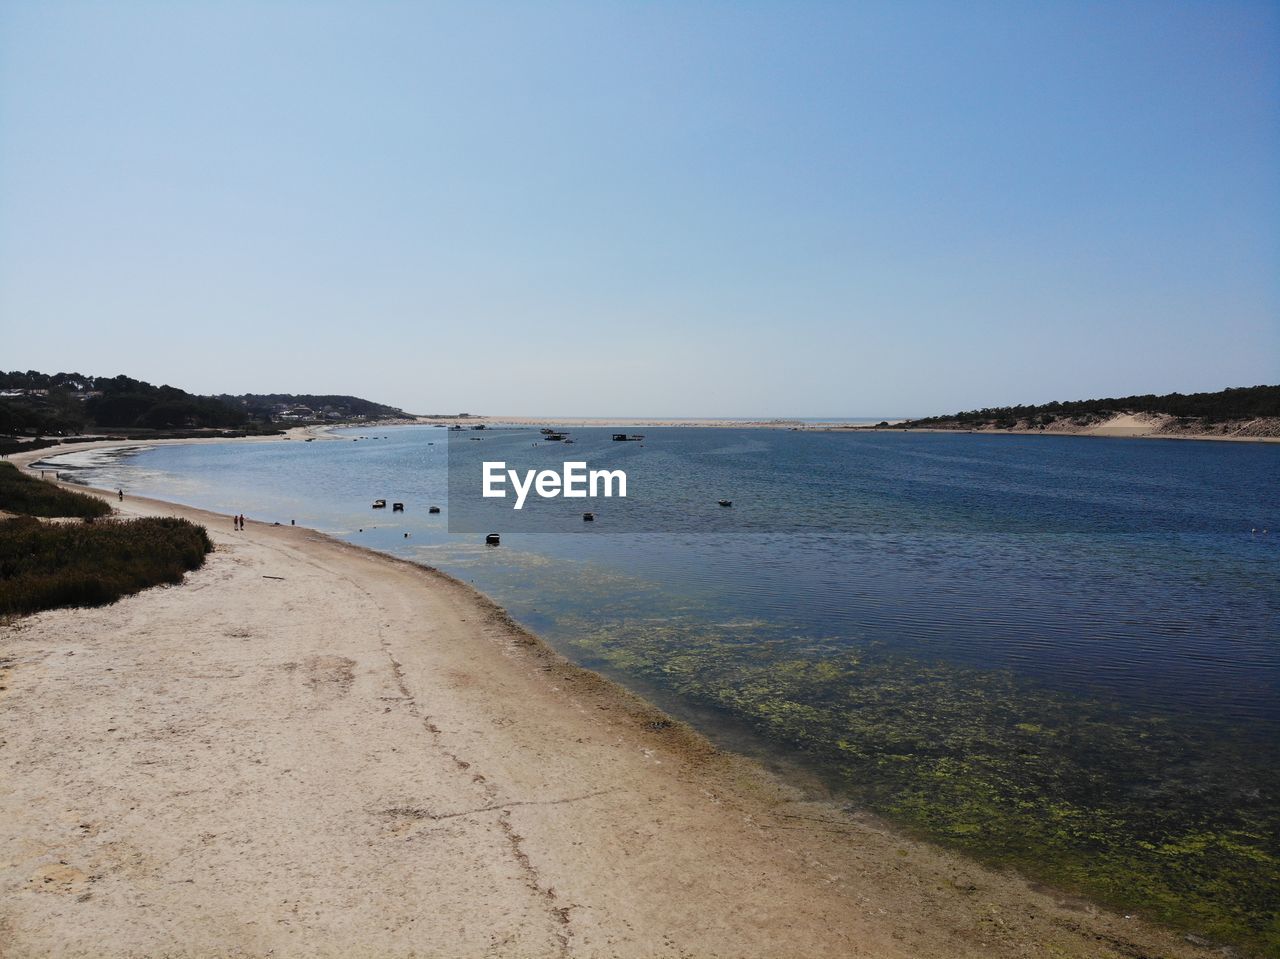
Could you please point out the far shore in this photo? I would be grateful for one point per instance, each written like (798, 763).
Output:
(776, 423)
(1120, 426)
(312, 749)
(1084, 434)
(1126, 426)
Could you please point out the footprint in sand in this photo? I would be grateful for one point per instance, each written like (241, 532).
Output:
(59, 877)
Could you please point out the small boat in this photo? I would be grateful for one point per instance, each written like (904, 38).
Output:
(555, 436)
(628, 437)
(725, 502)
(493, 539)
(588, 517)
(397, 507)
(379, 504)
(433, 509)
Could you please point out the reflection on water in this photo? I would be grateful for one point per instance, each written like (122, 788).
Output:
(1056, 652)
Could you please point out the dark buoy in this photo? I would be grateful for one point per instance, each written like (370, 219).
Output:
(726, 502)
(588, 517)
(433, 509)
(493, 539)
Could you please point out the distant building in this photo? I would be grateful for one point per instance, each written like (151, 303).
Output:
(294, 413)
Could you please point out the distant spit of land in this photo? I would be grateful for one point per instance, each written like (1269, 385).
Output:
(476, 419)
(1243, 413)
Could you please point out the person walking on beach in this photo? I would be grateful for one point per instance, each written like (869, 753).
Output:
(242, 522)
(121, 492)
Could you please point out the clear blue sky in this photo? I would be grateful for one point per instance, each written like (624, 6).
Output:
(644, 208)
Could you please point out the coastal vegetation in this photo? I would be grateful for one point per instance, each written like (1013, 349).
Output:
(67, 404)
(268, 406)
(9, 444)
(45, 565)
(24, 494)
(50, 565)
(1188, 410)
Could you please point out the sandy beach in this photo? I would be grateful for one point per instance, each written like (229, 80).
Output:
(308, 748)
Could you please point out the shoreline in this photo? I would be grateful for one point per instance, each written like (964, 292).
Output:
(817, 426)
(1145, 426)
(324, 431)
(697, 851)
(1082, 434)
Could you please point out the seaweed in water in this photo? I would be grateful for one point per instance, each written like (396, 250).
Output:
(1159, 813)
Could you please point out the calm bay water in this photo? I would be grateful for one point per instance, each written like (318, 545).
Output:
(1053, 651)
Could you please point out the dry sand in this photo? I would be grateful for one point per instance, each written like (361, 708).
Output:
(1125, 424)
(309, 749)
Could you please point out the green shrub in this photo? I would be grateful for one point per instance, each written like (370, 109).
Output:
(50, 565)
(29, 496)
(10, 444)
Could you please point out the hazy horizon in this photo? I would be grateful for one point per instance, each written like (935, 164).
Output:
(798, 210)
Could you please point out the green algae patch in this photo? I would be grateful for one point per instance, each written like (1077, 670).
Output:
(1160, 814)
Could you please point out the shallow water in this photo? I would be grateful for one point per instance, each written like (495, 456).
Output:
(1055, 651)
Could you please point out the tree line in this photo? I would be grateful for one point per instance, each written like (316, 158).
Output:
(1242, 402)
(63, 404)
